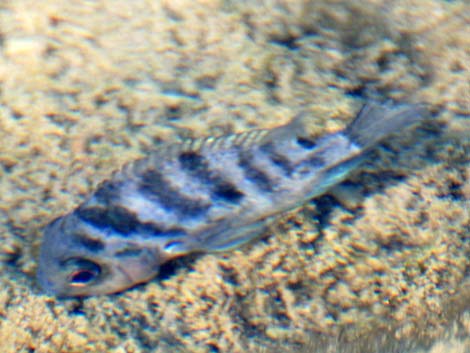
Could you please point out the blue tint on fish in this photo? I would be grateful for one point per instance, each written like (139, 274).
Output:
(202, 195)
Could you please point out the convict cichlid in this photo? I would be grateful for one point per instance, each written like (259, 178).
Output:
(201, 195)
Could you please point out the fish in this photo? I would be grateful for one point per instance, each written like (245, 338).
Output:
(203, 195)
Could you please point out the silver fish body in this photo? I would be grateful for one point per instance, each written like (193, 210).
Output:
(201, 195)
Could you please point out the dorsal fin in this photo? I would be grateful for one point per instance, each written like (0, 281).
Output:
(171, 151)
(244, 140)
(220, 143)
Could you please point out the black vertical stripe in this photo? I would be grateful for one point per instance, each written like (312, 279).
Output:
(91, 244)
(227, 191)
(107, 192)
(153, 183)
(194, 162)
(115, 217)
(314, 160)
(277, 158)
(198, 167)
(305, 142)
(253, 173)
(157, 230)
(120, 220)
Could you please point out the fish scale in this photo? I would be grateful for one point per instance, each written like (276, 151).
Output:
(202, 195)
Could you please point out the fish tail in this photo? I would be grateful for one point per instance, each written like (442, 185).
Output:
(375, 122)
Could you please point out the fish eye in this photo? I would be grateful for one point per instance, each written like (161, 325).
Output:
(81, 277)
(83, 272)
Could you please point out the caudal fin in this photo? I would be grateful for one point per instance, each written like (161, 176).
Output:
(375, 122)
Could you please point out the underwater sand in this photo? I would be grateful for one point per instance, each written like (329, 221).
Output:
(380, 266)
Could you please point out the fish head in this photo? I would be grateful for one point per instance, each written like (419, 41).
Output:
(77, 259)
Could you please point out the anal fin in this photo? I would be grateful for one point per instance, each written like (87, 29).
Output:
(231, 238)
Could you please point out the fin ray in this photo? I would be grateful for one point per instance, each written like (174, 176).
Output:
(374, 122)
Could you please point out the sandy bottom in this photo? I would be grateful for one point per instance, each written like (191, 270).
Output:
(381, 265)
